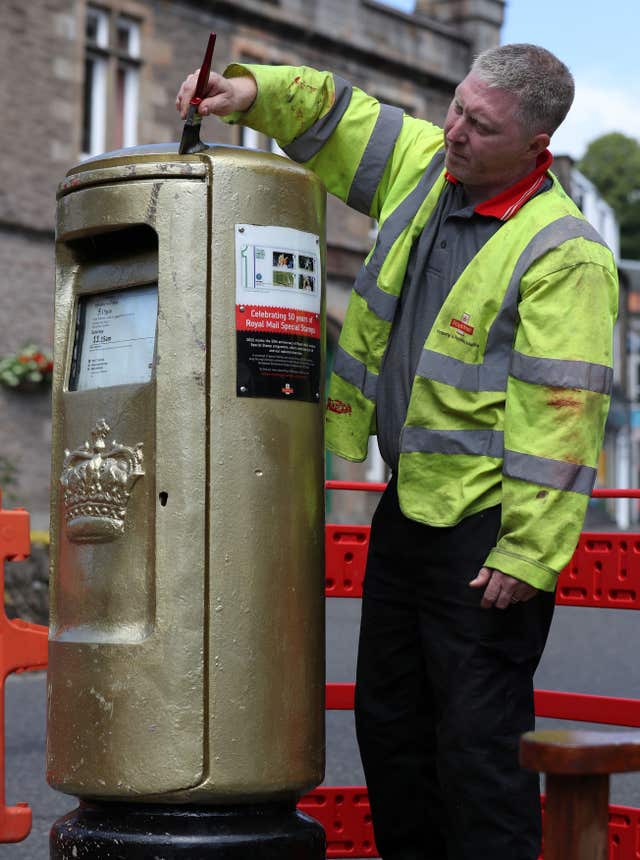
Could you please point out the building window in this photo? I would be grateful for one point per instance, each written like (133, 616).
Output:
(126, 100)
(111, 79)
(95, 81)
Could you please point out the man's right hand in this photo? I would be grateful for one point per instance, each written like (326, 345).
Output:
(222, 96)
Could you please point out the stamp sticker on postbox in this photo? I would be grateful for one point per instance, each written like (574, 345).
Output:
(278, 302)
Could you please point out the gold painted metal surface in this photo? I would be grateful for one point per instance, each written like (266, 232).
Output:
(186, 656)
(266, 548)
(131, 168)
(97, 479)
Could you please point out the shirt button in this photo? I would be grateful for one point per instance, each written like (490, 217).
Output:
(443, 244)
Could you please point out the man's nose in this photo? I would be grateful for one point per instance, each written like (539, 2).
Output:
(456, 132)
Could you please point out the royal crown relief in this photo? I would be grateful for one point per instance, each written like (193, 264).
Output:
(97, 479)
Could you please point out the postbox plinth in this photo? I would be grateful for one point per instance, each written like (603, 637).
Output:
(139, 832)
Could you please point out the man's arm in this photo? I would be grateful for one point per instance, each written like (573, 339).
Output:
(318, 119)
(355, 144)
(556, 406)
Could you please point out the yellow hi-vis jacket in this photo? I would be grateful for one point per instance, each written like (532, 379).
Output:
(511, 392)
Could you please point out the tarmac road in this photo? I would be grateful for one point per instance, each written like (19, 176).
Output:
(590, 651)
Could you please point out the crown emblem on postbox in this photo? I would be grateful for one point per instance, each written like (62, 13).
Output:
(97, 480)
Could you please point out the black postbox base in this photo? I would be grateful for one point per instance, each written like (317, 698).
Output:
(119, 831)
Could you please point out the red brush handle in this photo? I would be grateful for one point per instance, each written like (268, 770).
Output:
(205, 68)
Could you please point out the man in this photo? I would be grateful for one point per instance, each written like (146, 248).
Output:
(478, 345)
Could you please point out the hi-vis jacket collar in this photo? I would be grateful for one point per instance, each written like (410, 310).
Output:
(508, 202)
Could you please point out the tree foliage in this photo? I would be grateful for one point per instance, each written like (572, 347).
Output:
(612, 163)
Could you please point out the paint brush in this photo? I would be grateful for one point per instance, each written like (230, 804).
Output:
(190, 141)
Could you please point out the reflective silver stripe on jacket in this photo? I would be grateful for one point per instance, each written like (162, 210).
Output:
(460, 374)
(485, 443)
(313, 139)
(354, 371)
(366, 284)
(374, 158)
(557, 373)
(493, 373)
(384, 304)
(549, 473)
(490, 443)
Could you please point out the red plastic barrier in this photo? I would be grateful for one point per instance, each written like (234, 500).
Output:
(22, 646)
(604, 571)
(608, 710)
(345, 815)
(345, 550)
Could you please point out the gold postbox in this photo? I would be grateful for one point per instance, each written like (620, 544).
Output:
(186, 654)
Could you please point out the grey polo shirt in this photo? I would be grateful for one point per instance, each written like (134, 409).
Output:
(450, 240)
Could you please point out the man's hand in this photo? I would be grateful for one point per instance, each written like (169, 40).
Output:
(501, 590)
(222, 96)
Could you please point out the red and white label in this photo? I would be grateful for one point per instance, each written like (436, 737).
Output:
(271, 319)
(462, 326)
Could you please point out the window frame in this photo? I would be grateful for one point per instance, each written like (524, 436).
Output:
(111, 96)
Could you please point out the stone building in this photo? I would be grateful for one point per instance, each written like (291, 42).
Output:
(85, 76)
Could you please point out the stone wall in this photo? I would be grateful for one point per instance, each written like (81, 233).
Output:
(41, 72)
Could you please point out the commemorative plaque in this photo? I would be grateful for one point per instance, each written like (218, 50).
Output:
(278, 304)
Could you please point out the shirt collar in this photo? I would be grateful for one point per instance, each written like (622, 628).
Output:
(505, 204)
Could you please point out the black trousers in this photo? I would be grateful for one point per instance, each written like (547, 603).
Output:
(444, 690)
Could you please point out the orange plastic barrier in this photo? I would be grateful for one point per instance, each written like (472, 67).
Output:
(22, 646)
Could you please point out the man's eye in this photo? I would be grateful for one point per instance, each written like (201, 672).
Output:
(478, 126)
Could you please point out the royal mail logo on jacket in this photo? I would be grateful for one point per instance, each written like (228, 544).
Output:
(463, 324)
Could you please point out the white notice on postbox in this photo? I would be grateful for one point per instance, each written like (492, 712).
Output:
(115, 339)
(278, 306)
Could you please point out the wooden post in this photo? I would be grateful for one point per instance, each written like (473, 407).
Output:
(577, 765)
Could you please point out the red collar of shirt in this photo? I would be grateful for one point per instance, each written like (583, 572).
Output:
(508, 202)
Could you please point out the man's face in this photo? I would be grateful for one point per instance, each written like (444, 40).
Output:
(486, 147)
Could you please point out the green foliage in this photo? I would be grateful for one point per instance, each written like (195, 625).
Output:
(612, 163)
(29, 367)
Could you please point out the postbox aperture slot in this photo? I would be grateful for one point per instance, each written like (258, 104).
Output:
(113, 246)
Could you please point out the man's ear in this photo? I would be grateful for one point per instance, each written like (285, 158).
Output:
(539, 143)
